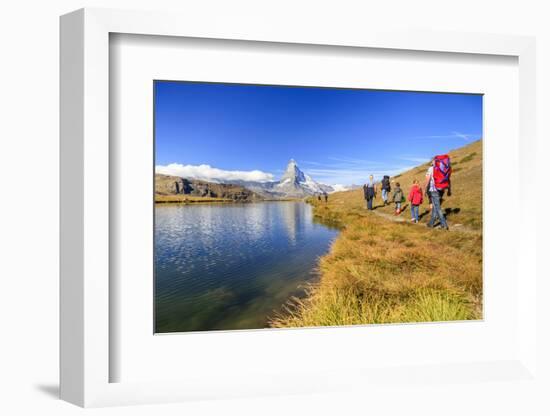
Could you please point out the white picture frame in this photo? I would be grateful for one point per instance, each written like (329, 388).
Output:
(85, 212)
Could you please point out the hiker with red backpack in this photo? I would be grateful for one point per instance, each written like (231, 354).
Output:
(438, 179)
(415, 198)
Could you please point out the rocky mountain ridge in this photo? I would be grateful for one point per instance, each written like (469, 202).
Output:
(174, 185)
(294, 183)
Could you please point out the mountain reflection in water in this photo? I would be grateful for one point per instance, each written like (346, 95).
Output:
(231, 266)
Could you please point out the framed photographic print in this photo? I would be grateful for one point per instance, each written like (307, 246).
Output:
(266, 216)
(271, 211)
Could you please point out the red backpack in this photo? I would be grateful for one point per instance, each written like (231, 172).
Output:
(442, 171)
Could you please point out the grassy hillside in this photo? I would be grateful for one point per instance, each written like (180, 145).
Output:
(382, 271)
(464, 206)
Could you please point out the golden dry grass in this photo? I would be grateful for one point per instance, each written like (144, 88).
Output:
(381, 271)
(465, 204)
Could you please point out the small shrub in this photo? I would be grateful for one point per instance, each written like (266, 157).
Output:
(468, 158)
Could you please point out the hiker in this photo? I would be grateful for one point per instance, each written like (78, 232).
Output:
(397, 198)
(386, 189)
(326, 197)
(369, 192)
(319, 197)
(438, 179)
(416, 199)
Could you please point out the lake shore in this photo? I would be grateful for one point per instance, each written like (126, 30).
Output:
(188, 199)
(380, 271)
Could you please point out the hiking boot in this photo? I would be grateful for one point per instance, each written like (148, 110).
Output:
(429, 225)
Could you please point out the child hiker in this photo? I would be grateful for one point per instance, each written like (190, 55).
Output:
(397, 198)
(415, 198)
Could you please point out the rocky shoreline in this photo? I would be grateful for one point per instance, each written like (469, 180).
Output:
(175, 189)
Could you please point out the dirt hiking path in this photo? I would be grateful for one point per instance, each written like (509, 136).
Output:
(403, 217)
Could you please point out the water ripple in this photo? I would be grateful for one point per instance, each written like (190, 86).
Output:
(230, 266)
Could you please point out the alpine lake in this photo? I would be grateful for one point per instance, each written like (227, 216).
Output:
(233, 266)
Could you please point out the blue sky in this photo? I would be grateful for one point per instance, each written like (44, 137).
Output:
(337, 136)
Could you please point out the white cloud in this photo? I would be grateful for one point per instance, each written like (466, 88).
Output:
(339, 187)
(454, 135)
(414, 159)
(209, 173)
(462, 135)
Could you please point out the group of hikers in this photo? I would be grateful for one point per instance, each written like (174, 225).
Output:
(438, 181)
(325, 196)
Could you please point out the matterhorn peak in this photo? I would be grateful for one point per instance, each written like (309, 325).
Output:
(291, 164)
(293, 173)
(294, 182)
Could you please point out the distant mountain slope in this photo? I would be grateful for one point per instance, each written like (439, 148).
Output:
(172, 186)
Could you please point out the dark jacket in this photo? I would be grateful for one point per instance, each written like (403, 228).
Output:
(386, 183)
(369, 191)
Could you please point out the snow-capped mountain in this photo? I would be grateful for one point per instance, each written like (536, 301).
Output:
(295, 183)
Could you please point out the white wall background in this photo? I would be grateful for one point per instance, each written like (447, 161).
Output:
(29, 201)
